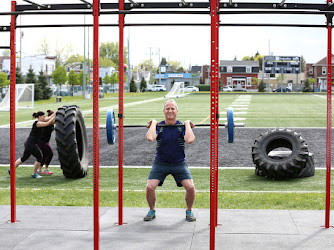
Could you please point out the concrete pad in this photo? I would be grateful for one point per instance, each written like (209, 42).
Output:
(167, 220)
(72, 228)
(249, 221)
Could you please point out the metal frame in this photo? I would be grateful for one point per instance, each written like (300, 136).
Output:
(122, 9)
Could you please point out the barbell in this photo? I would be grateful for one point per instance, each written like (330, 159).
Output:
(111, 126)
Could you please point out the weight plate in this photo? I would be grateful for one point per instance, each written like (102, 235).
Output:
(111, 127)
(230, 125)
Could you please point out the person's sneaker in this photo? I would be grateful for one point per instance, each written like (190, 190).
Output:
(47, 172)
(39, 172)
(36, 176)
(8, 171)
(190, 216)
(150, 215)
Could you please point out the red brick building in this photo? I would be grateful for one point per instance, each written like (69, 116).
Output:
(239, 74)
(318, 71)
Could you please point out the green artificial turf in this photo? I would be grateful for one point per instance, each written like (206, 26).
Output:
(238, 189)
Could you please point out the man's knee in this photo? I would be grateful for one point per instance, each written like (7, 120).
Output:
(152, 184)
(188, 184)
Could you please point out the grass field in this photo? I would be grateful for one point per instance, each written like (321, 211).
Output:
(239, 189)
(260, 110)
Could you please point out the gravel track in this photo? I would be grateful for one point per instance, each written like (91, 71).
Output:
(139, 152)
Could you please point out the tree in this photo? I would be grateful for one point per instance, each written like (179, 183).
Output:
(106, 79)
(133, 85)
(262, 86)
(307, 85)
(46, 90)
(72, 79)
(44, 47)
(80, 78)
(59, 76)
(19, 77)
(302, 64)
(114, 78)
(106, 62)
(31, 77)
(4, 82)
(111, 50)
(143, 84)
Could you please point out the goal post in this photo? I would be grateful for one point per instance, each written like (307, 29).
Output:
(176, 91)
(24, 94)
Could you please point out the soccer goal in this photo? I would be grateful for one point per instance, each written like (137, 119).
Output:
(24, 97)
(176, 91)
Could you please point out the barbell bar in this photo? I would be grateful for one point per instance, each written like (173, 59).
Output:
(111, 126)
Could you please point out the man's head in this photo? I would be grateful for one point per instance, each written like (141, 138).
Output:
(170, 110)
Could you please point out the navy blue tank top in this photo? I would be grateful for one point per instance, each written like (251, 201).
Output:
(170, 144)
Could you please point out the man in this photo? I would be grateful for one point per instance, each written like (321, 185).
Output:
(170, 158)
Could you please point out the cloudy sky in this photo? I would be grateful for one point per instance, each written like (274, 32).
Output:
(189, 45)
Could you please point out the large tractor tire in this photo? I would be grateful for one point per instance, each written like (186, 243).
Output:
(291, 166)
(71, 138)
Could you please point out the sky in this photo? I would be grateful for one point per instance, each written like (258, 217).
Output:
(188, 45)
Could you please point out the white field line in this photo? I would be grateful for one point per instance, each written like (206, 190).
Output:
(115, 166)
(100, 109)
(321, 96)
(172, 190)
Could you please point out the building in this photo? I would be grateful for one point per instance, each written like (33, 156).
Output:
(318, 71)
(240, 74)
(166, 79)
(38, 63)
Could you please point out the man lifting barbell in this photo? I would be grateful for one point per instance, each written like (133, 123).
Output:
(170, 158)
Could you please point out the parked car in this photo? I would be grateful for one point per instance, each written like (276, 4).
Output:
(62, 92)
(280, 90)
(158, 88)
(191, 89)
(227, 89)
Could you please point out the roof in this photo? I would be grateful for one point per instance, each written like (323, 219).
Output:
(195, 69)
(239, 63)
(322, 62)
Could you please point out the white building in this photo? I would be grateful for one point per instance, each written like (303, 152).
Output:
(37, 63)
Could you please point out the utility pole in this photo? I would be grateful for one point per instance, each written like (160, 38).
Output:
(150, 66)
(129, 65)
(84, 62)
(159, 68)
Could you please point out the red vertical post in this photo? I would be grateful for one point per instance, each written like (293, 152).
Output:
(329, 119)
(213, 122)
(96, 143)
(12, 113)
(216, 27)
(120, 114)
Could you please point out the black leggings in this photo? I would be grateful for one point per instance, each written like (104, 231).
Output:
(47, 152)
(31, 149)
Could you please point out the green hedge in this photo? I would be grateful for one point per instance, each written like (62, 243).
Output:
(203, 87)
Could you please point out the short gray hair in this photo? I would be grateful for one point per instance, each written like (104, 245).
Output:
(170, 100)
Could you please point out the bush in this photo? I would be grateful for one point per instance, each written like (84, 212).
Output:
(133, 86)
(203, 87)
(262, 86)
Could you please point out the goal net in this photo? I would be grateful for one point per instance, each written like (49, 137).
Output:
(24, 97)
(176, 91)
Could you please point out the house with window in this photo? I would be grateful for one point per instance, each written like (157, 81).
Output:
(239, 74)
(318, 71)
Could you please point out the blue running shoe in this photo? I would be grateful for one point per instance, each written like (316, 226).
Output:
(150, 215)
(36, 176)
(190, 216)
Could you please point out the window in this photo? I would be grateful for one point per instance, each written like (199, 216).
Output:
(249, 81)
(310, 71)
(323, 70)
(229, 68)
(229, 81)
(248, 69)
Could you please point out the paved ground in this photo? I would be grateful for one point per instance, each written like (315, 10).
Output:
(72, 228)
(139, 152)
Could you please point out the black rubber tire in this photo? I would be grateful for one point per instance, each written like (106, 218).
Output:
(71, 139)
(309, 169)
(280, 168)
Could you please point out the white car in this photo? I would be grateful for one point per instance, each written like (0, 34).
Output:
(191, 89)
(158, 88)
(227, 89)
